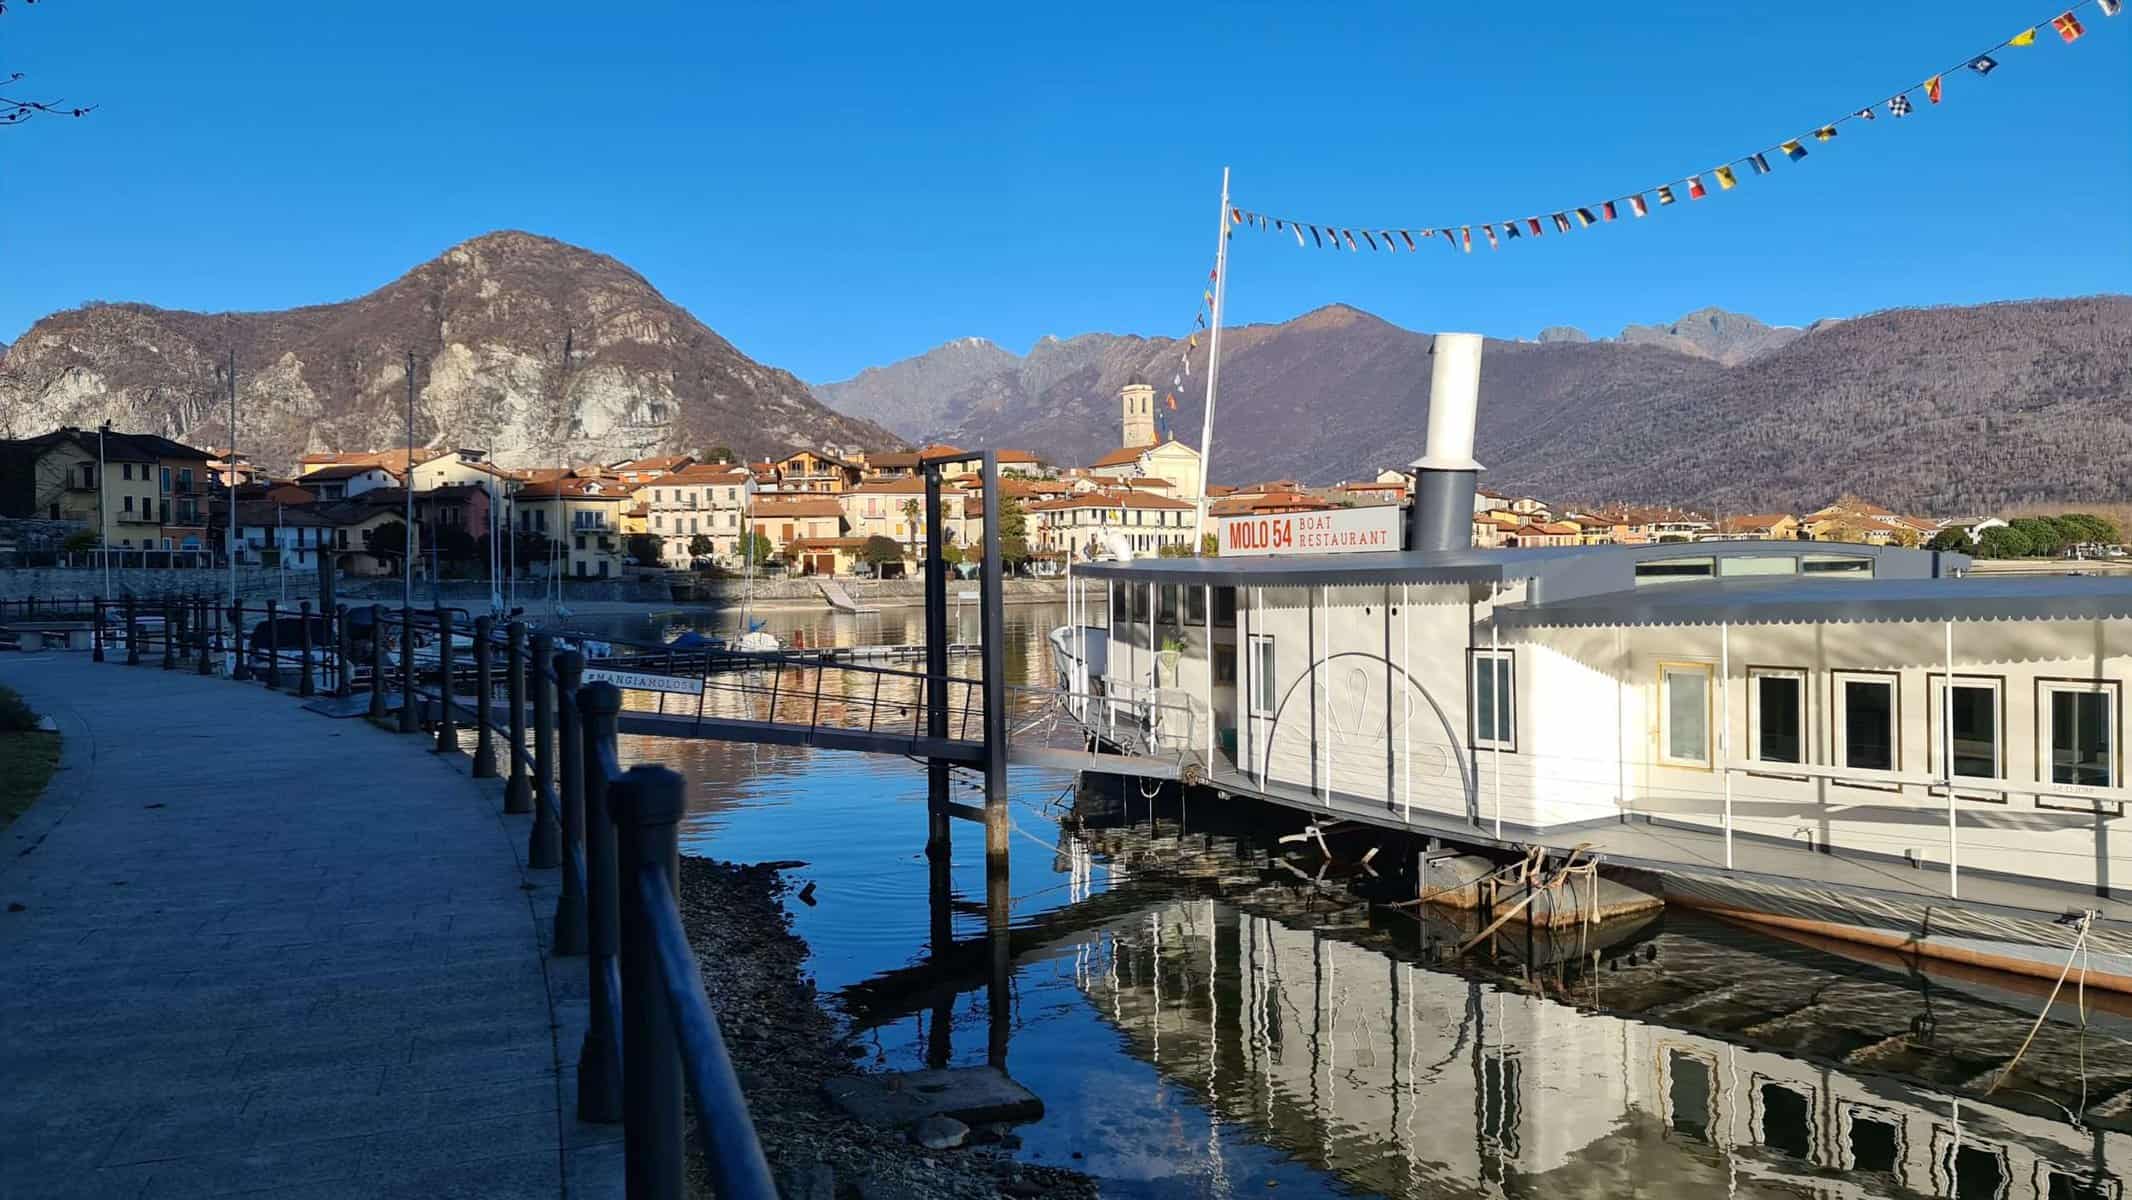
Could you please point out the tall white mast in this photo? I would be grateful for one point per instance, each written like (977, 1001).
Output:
(1206, 421)
(231, 464)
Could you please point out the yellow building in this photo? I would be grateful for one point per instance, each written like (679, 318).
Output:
(150, 493)
(784, 520)
(581, 518)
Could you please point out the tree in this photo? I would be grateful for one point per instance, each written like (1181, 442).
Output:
(879, 551)
(15, 109)
(79, 540)
(757, 547)
(388, 540)
(720, 454)
(1013, 532)
(1954, 538)
(910, 524)
(1210, 545)
(701, 546)
(644, 549)
(453, 543)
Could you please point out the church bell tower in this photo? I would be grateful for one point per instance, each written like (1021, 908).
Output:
(1136, 403)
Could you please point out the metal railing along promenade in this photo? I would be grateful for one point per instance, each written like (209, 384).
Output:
(652, 1036)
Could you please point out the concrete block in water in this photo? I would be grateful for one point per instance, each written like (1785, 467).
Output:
(898, 1099)
(1454, 882)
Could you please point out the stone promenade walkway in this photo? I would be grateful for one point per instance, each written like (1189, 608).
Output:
(245, 948)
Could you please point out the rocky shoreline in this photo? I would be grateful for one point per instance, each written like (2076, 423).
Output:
(785, 1046)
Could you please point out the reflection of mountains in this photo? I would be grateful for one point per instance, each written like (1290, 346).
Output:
(1411, 1081)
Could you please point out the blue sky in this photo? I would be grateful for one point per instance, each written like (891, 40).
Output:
(837, 188)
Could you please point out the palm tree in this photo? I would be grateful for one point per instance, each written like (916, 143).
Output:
(910, 527)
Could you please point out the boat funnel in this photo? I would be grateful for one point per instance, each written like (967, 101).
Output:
(1445, 476)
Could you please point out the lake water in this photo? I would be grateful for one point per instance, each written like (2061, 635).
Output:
(1204, 1016)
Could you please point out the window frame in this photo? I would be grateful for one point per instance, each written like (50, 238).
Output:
(2113, 691)
(1800, 676)
(1838, 716)
(1507, 655)
(1935, 735)
(1666, 757)
(1262, 700)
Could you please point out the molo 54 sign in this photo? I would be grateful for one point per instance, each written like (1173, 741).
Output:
(1333, 531)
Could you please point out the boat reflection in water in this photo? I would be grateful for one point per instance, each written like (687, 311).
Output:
(1314, 1027)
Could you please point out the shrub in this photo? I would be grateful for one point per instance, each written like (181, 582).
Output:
(16, 715)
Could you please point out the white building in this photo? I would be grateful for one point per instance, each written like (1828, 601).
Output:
(695, 501)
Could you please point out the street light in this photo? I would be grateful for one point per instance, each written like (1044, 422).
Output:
(103, 543)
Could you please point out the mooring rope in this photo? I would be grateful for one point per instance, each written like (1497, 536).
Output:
(2079, 944)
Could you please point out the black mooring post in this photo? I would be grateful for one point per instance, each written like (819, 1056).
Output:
(570, 776)
(648, 807)
(133, 634)
(410, 719)
(273, 631)
(484, 697)
(937, 835)
(343, 652)
(544, 845)
(599, 1076)
(203, 617)
(97, 644)
(306, 674)
(517, 797)
(447, 717)
(241, 667)
(992, 618)
(940, 895)
(377, 662)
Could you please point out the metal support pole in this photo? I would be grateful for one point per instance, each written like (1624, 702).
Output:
(570, 905)
(306, 677)
(992, 619)
(649, 802)
(344, 652)
(1954, 866)
(203, 618)
(133, 634)
(544, 848)
(170, 631)
(447, 715)
(98, 643)
(484, 695)
(240, 662)
(599, 1077)
(517, 797)
(935, 699)
(377, 662)
(409, 719)
(1724, 731)
(273, 632)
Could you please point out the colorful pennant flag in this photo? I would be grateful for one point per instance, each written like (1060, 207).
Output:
(1492, 243)
(1510, 230)
(1696, 190)
(1932, 89)
(2111, 8)
(2068, 26)
(1759, 163)
(1637, 206)
(1533, 223)
(1297, 230)
(1607, 210)
(1367, 238)
(1899, 106)
(1827, 133)
(1793, 150)
(1409, 239)
(1725, 180)
(1350, 236)
(1173, 395)
(1465, 238)
(1561, 223)
(1585, 219)
(1864, 114)
(1665, 195)
(2026, 37)
(1983, 64)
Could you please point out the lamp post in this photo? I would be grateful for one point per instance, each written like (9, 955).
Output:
(103, 543)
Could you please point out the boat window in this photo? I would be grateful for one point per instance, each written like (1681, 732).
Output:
(1667, 570)
(1837, 564)
(1494, 677)
(1141, 595)
(1224, 664)
(1787, 1121)
(1691, 1094)
(1977, 753)
(1225, 608)
(1684, 714)
(1776, 698)
(1195, 606)
(1166, 604)
(2082, 720)
(1875, 1144)
(1865, 721)
(1758, 564)
(1263, 697)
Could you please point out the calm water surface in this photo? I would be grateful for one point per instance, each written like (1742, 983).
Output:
(1202, 1020)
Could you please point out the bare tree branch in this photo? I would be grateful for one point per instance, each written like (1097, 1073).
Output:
(16, 111)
